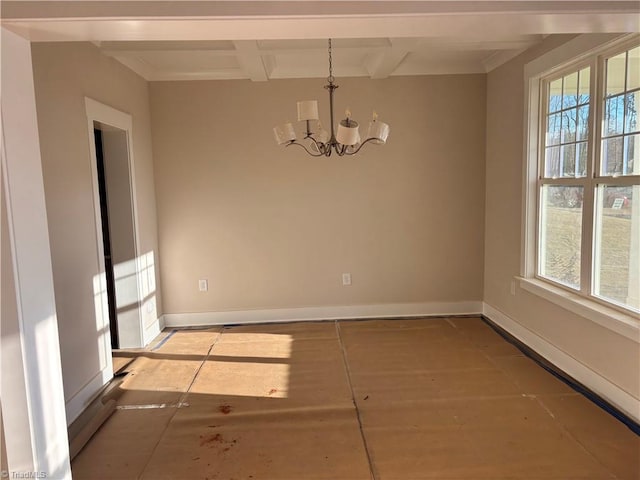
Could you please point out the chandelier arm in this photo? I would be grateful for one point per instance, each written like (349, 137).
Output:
(361, 145)
(319, 145)
(293, 142)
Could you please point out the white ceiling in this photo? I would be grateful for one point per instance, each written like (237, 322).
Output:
(262, 40)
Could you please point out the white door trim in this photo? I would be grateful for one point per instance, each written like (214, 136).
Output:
(102, 113)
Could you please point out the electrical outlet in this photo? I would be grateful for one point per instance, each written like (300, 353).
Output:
(203, 285)
(346, 279)
(513, 287)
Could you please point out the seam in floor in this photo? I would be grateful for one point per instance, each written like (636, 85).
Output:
(180, 402)
(564, 377)
(372, 468)
(539, 401)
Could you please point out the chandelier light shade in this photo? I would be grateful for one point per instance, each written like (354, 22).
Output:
(345, 140)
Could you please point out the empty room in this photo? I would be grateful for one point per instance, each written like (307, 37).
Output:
(341, 240)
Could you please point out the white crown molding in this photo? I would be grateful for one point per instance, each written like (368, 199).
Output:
(221, 74)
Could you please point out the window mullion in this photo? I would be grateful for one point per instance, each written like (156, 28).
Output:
(593, 166)
(568, 181)
(543, 110)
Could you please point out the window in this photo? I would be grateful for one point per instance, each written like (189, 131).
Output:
(588, 177)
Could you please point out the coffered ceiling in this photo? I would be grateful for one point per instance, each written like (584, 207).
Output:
(262, 40)
(260, 60)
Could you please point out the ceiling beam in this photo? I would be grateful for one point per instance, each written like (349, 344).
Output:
(250, 59)
(234, 9)
(496, 59)
(138, 65)
(390, 58)
(401, 26)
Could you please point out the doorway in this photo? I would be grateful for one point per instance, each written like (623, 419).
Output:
(106, 238)
(118, 285)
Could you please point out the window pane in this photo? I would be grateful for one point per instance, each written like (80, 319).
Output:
(620, 122)
(569, 125)
(570, 90)
(583, 122)
(568, 159)
(553, 129)
(613, 116)
(584, 86)
(631, 105)
(616, 74)
(552, 162)
(632, 155)
(560, 234)
(633, 69)
(617, 245)
(612, 156)
(582, 150)
(555, 95)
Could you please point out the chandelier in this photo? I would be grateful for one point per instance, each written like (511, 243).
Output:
(345, 141)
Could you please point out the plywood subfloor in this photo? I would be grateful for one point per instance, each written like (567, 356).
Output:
(120, 361)
(443, 398)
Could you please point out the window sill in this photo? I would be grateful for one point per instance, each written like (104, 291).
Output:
(614, 320)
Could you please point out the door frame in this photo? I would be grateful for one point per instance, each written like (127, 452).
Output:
(99, 112)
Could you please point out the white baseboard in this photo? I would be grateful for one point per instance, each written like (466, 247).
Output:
(81, 399)
(323, 313)
(78, 402)
(152, 331)
(595, 382)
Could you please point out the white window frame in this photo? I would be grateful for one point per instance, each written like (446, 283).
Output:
(577, 53)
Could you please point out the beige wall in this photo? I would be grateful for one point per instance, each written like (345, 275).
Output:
(274, 228)
(611, 355)
(64, 74)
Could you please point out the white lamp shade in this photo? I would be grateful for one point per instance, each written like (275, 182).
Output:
(284, 133)
(322, 136)
(348, 133)
(308, 110)
(379, 131)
